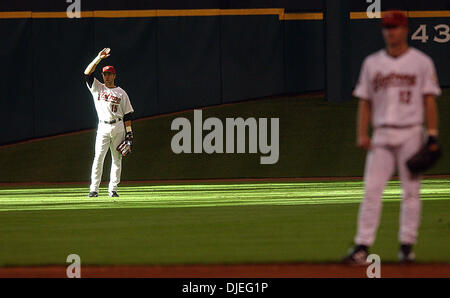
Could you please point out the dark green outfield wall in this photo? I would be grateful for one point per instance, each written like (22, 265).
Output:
(170, 64)
(366, 37)
(164, 64)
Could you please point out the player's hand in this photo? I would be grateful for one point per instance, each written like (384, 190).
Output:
(105, 53)
(129, 137)
(363, 142)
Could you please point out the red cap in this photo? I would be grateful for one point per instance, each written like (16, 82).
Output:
(394, 18)
(109, 68)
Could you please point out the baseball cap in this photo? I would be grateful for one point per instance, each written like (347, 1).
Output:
(109, 68)
(394, 18)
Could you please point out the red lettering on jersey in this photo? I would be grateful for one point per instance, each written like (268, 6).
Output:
(108, 97)
(393, 79)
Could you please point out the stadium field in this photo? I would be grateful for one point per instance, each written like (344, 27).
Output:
(210, 222)
(222, 215)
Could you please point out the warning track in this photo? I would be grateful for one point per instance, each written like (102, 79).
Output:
(299, 270)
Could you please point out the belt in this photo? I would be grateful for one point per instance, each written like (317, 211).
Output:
(397, 126)
(111, 122)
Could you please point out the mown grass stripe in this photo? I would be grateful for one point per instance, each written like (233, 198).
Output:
(199, 195)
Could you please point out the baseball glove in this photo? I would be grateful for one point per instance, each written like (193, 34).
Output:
(126, 145)
(426, 157)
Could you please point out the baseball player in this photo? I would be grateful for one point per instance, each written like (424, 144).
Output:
(113, 109)
(397, 88)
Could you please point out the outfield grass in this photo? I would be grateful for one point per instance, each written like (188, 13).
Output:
(317, 139)
(208, 223)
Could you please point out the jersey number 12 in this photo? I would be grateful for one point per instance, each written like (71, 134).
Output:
(405, 96)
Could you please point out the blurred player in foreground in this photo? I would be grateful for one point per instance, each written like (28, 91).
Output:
(397, 88)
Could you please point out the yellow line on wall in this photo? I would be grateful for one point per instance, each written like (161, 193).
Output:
(15, 14)
(143, 13)
(187, 12)
(123, 13)
(48, 15)
(303, 16)
(252, 11)
(411, 14)
(280, 12)
(429, 14)
(360, 15)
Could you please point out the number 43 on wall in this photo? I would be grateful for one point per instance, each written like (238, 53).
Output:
(442, 33)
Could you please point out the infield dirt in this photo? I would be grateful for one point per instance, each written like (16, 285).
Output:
(302, 270)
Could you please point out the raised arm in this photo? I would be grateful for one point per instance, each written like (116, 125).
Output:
(105, 53)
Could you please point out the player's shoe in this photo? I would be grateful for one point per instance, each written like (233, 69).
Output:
(93, 194)
(357, 256)
(113, 194)
(406, 254)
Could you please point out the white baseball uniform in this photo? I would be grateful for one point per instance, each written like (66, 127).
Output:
(395, 87)
(111, 105)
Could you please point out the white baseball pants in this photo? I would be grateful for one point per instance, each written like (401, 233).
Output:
(381, 162)
(109, 136)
